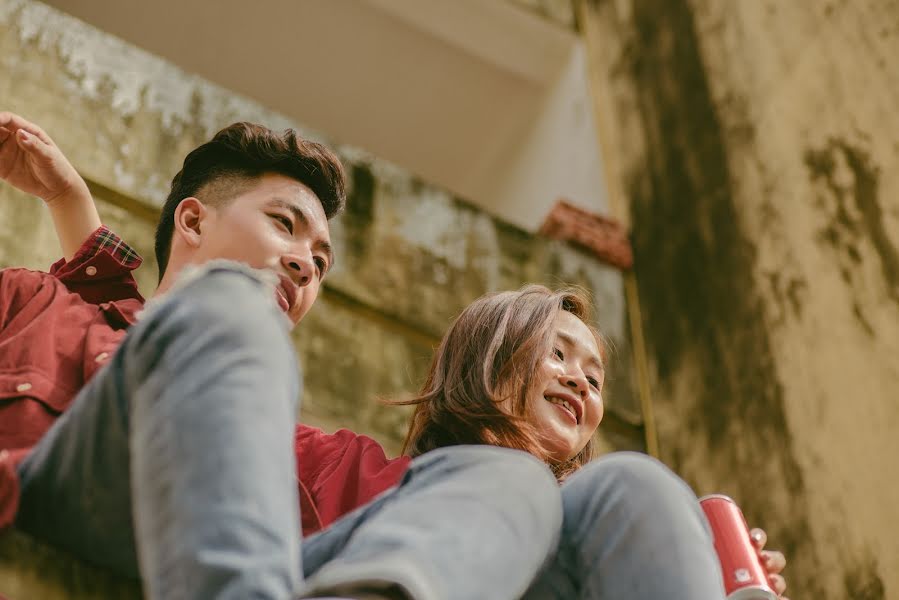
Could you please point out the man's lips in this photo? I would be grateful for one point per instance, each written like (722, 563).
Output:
(286, 292)
(282, 301)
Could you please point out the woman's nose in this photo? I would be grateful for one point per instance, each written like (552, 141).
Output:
(575, 382)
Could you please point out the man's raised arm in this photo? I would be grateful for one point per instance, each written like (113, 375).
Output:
(32, 162)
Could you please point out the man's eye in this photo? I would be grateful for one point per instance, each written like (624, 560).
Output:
(288, 224)
(594, 382)
(321, 264)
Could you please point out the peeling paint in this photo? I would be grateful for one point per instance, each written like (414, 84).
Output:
(100, 64)
(431, 222)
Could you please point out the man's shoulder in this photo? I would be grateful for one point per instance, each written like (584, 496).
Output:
(25, 282)
(27, 295)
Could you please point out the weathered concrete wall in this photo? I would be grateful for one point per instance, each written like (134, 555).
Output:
(559, 11)
(410, 256)
(755, 146)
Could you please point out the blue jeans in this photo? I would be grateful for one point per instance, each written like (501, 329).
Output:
(632, 529)
(176, 463)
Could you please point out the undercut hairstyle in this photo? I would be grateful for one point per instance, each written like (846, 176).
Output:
(229, 164)
(485, 370)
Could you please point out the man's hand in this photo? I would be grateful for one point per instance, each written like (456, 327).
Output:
(772, 560)
(30, 161)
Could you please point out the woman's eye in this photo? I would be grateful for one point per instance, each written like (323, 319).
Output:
(321, 264)
(593, 381)
(558, 354)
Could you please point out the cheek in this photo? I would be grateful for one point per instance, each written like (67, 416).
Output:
(254, 236)
(308, 294)
(548, 370)
(595, 411)
(545, 374)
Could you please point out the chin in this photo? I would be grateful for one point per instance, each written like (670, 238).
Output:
(560, 455)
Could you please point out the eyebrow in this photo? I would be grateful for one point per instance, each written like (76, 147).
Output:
(300, 215)
(570, 341)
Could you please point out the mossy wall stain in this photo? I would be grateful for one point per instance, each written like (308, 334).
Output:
(861, 580)
(359, 213)
(695, 267)
(849, 200)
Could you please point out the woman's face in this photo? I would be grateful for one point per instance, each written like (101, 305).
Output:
(566, 404)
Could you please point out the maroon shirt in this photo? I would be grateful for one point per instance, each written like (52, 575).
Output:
(58, 328)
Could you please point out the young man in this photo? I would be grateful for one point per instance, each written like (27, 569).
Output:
(162, 444)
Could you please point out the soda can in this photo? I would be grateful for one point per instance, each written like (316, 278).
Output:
(745, 578)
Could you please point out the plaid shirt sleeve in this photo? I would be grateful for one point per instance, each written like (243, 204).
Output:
(101, 240)
(101, 270)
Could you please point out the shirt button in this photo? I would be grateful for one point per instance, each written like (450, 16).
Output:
(102, 356)
(91, 271)
(23, 387)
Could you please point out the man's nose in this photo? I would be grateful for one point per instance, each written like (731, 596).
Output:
(300, 268)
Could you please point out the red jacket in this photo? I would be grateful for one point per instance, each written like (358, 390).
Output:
(339, 472)
(58, 328)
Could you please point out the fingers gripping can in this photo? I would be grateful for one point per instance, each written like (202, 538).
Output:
(744, 576)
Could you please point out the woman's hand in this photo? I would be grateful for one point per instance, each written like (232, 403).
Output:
(773, 561)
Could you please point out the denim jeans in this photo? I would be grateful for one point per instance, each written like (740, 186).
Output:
(486, 518)
(176, 463)
(632, 529)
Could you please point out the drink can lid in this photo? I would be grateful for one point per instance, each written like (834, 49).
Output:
(752, 593)
(719, 496)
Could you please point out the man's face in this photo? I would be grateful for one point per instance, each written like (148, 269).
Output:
(277, 224)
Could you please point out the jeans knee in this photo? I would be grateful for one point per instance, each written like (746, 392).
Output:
(222, 296)
(634, 482)
(637, 472)
(519, 470)
(223, 314)
(513, 475)
(513, 466)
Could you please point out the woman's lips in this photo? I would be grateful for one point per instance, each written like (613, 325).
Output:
(566, 412)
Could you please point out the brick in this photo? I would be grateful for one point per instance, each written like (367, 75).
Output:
(604, 237)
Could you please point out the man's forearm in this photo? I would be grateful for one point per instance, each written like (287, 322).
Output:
(75, 217)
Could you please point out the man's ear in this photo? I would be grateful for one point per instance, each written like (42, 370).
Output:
(190, 215)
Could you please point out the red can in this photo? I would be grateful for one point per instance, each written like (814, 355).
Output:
(745, 578)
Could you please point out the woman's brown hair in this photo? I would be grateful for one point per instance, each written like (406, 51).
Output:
(487, 360)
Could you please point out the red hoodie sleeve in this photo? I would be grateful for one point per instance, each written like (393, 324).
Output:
(340, 472)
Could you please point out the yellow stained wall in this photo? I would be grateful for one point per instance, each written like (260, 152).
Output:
(755, 147)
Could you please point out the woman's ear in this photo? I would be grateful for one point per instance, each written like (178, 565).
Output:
(189, 217)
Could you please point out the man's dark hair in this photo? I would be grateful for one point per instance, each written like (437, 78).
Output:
(221, 169)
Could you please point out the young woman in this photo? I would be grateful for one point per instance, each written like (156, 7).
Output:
(524, 370)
